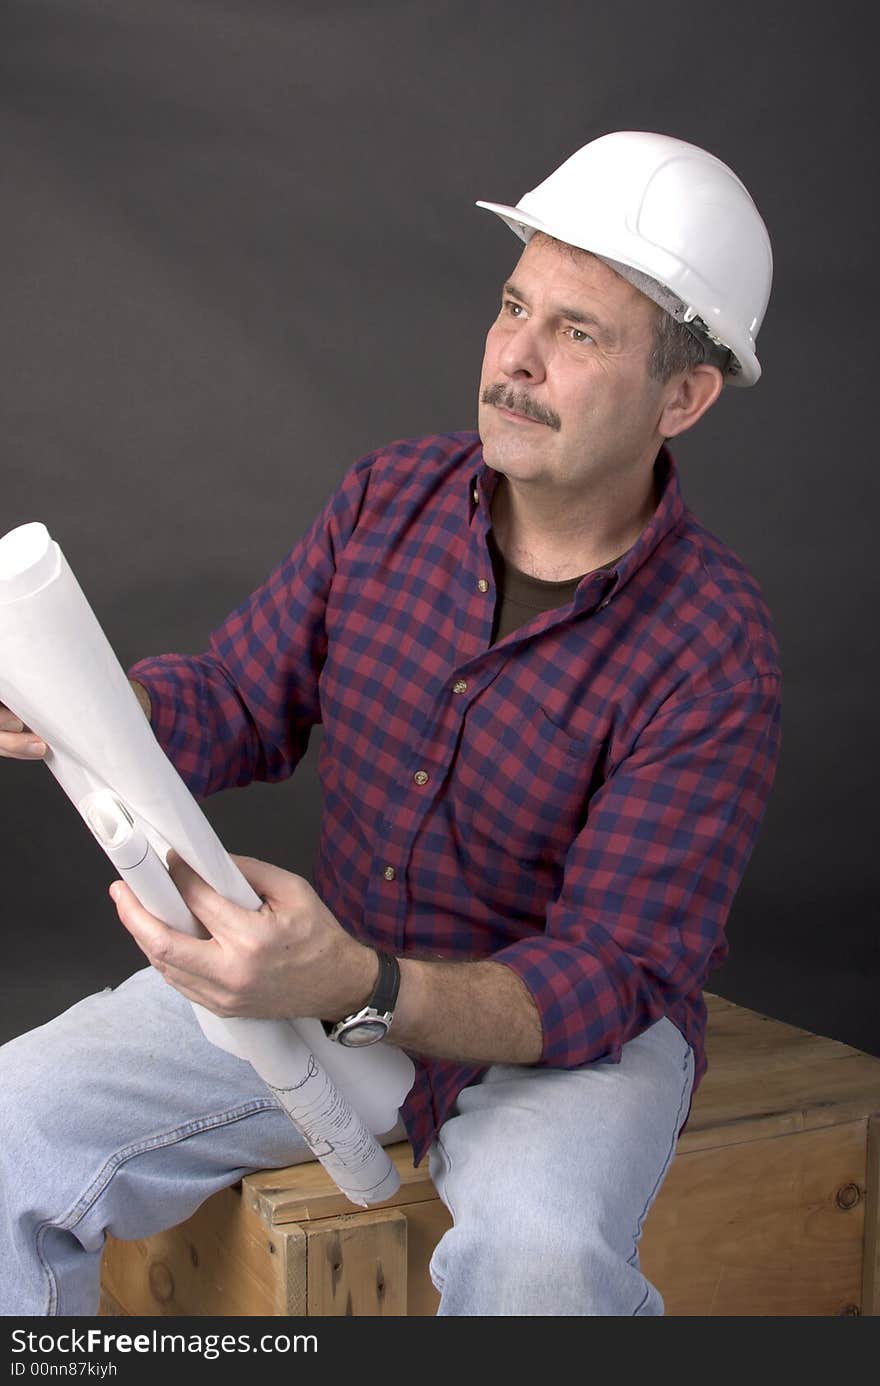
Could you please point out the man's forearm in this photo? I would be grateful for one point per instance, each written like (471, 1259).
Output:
(476, 1012)
(142, 696)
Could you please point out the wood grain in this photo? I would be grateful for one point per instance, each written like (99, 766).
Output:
(357, 1265)
(871, 1280)
(756, 1229)
(223, 1260)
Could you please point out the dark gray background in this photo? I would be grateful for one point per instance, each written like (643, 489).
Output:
(239, 249)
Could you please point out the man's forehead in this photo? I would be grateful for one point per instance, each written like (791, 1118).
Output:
(580, 280)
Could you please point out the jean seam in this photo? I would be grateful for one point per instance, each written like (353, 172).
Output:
(631, 1260)
(111, 1167)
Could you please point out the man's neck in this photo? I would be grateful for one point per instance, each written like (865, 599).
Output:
(556, 540)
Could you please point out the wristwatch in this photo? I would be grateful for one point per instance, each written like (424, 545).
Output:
(374, 1021)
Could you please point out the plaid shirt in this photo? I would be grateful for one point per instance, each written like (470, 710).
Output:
(578, 801)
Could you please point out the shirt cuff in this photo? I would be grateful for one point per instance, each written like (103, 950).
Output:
(582, 1020)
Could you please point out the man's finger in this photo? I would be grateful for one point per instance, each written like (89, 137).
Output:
(218, 915)
(21, 746)
(163, 946)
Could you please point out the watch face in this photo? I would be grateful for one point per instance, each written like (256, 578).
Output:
(363, 1032)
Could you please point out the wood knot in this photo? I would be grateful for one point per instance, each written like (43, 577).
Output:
(161, 1282)
(334, 1258)
(848, 1196)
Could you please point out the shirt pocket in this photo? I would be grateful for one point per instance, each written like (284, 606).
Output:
(523, 783)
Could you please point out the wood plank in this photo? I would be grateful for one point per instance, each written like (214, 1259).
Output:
(357, 1265)
(223, 1260)
(303, 1193)
(426, 1223)
(768, 1078)
(108, 1307)
(756, 1229)
(871, 1281)
(293, 1296)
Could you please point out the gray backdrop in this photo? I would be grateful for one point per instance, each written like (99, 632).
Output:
(239, 249)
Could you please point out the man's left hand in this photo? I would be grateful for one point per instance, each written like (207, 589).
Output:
(289, 958)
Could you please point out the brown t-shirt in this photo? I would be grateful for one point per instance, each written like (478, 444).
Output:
(522, 597)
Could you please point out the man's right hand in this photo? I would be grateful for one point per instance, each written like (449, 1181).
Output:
(17, 742)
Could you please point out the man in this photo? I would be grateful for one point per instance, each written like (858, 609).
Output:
(550, 703)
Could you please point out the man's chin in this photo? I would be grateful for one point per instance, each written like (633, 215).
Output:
(516, 461)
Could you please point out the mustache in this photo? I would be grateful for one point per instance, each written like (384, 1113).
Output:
(520, 404)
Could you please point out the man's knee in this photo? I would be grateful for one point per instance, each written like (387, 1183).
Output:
(552, 1265)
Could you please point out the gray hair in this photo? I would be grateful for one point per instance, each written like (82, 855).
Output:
(679, 345)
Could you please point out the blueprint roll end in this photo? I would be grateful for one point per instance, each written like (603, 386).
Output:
(29, 558)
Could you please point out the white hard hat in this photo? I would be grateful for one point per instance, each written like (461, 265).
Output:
(673, 212)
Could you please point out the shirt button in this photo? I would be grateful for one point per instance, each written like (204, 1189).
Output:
(421, 777)
(460, 686)
(476, 496)
(389, 873)
(483, 585)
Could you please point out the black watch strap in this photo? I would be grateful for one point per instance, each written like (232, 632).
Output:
(384, 997)
(381, 1003)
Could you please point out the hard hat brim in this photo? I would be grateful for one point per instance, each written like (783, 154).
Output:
(523, 224)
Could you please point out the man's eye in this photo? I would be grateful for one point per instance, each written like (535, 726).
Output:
(512, 309)
(578, 335)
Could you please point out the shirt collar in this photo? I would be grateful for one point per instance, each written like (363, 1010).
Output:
(667, 516)
(481, 487)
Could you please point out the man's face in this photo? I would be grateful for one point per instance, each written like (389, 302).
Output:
(565, 396)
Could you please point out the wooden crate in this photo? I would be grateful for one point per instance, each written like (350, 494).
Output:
(770, 1208)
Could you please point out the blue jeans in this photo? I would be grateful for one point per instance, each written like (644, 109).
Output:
(119, 1116)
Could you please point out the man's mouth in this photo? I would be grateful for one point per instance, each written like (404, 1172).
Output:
(519, 407)
(512, 414)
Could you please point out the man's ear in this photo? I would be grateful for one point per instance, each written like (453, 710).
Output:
(692, 393)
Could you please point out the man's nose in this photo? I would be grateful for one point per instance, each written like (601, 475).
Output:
(522, 353)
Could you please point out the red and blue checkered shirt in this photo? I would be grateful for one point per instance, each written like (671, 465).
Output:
(578, 801)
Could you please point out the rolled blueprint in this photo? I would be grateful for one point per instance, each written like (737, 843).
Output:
(59, 674)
